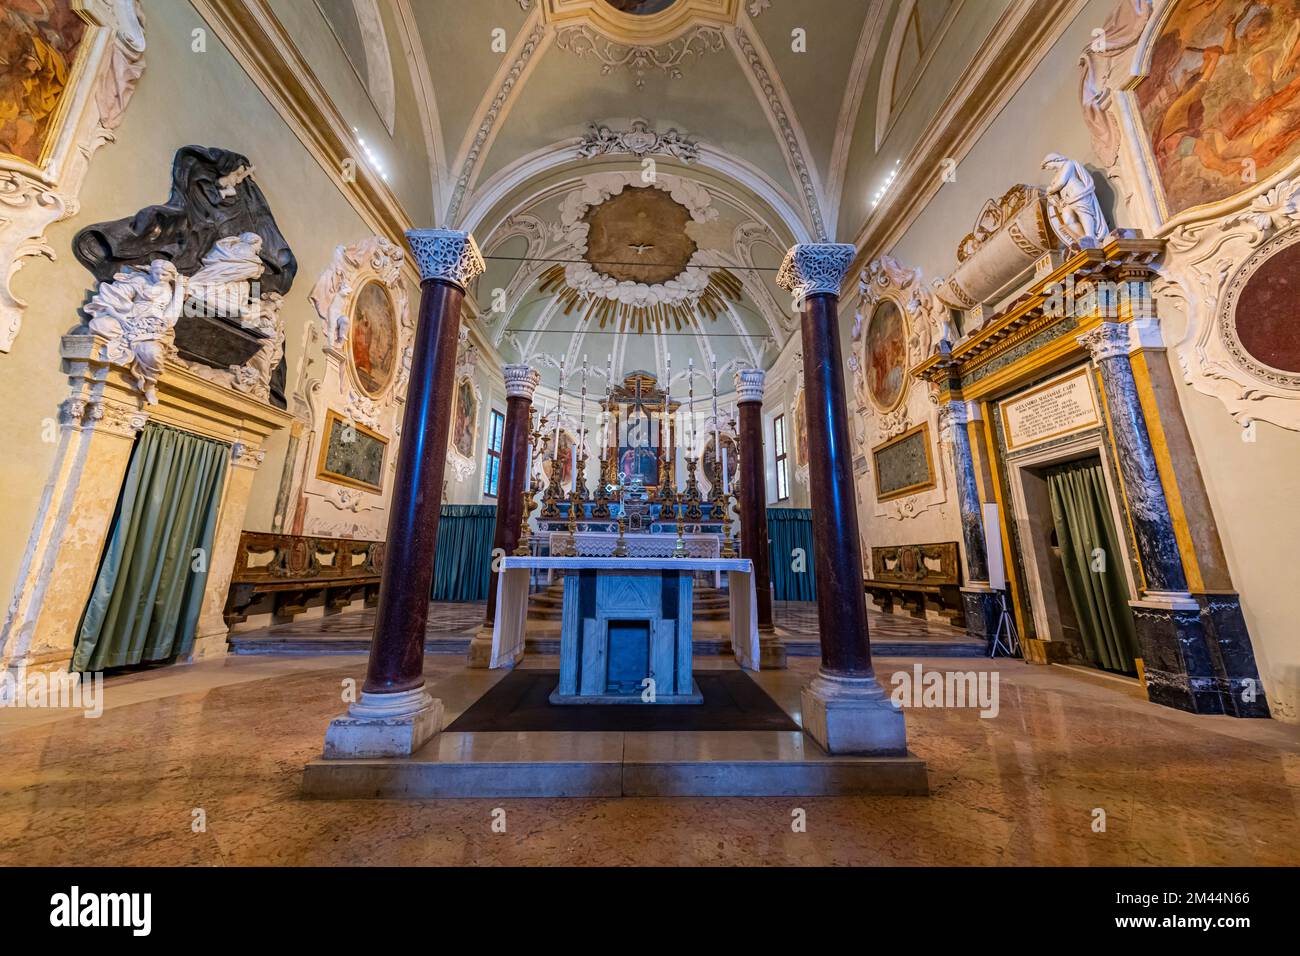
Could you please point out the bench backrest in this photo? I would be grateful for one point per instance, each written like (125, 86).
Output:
(283, 558)
(917, 563)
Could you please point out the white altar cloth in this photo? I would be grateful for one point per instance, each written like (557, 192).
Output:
(512, 598)
(601, 544)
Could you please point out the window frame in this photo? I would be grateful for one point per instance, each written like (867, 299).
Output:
(781, 447)
(492, 475)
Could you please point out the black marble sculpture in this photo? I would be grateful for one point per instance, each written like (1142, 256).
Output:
(182, 230)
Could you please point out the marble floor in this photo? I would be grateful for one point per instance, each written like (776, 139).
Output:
(230, 738)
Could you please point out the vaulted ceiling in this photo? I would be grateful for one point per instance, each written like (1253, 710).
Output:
(753, 109)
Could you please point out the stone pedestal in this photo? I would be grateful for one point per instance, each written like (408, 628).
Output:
(384, 725)
(852, 715)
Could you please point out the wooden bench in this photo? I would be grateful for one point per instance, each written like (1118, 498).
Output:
(924, 579)
(294, 568)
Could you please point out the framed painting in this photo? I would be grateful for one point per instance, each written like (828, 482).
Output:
(903, 465)
(42, 50)
(886, 355)
(464, 422)
(372, 338)
(1219, 98)
(351, 454)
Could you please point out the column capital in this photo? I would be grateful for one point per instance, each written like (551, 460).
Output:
(815, 268)
(521, 381)
(749, 385)
(446, 254)
(1107, 340)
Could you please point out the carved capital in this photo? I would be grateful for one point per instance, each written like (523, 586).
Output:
(749, 385)
(521, 381)
(815, 268)
(1108, 340)
(446, 254)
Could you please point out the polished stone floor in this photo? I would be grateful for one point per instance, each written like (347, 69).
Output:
(230, 738)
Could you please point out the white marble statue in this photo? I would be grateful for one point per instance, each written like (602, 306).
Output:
(1079, 220)
(137, 314)
(223, 284)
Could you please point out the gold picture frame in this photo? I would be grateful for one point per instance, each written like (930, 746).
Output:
(328, 459)
(909, 436)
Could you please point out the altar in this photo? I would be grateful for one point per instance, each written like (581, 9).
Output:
(624, 620)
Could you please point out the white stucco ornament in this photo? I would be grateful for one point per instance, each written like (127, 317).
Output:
(1077, 215)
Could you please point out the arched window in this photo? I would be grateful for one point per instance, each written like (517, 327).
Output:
(917, 31)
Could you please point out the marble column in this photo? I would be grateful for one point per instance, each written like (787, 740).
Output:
(521, 384)
(844, 707)
(394, 714)
(755, 542)
(1176, 657)
(981, 606)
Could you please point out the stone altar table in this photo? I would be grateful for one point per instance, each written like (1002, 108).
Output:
(635, 614)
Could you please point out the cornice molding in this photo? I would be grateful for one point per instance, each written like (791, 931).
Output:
(530, 43)
(1015, 46)
(855, 88)
(763, 76)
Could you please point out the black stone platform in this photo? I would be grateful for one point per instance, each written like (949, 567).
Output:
(519, 702)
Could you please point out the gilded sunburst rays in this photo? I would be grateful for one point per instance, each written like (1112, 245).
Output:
(660, 317)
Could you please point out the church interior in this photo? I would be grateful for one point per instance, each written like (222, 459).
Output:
(650, 432)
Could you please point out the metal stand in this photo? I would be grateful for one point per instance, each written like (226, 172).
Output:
(1005, 636)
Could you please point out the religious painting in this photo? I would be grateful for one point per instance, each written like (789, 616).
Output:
(710, 459)
(639, 462)
(351, 454)
(373, 338)
(800, 431)
(1265, 315)
(886, 355)
(465, 420)
(1220, 103)
(903, 465)
(39, 44)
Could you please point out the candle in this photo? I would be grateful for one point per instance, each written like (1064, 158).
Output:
(690, 406)
(726, 483)
(559, 405)
(717, 442)
(582, 424)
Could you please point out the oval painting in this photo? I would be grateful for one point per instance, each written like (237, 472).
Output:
(886, 364)
(1267, 315)
(373, 338)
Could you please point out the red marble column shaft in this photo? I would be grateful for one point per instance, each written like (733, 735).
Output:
(510, 489)
(753, 506)
(841, 606)
(397, 647)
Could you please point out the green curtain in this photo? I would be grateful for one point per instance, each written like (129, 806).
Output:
(463, 566)
(788, 529)
(1081, 513)
(146, 599)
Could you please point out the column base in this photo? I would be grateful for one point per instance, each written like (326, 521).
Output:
(852, 715)
(771, 649)
(480, 649)
(1176, 658)
(384, 725)
(983, 609)
(1234, 656)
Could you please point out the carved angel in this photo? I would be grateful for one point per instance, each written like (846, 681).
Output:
(137, 314)
(1073, 195)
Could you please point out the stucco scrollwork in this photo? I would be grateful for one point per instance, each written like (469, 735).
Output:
(34, 197)
(1208, 264)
